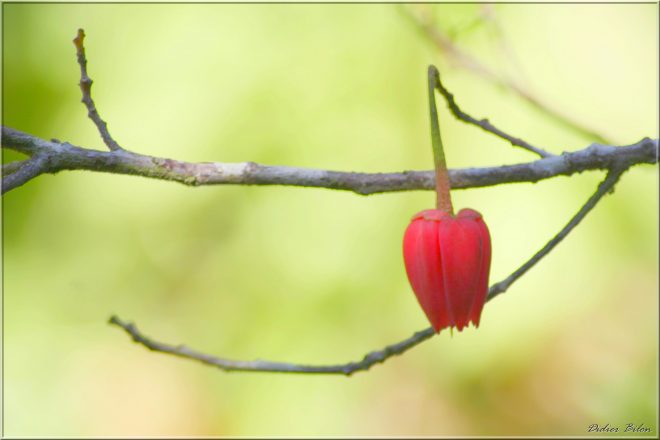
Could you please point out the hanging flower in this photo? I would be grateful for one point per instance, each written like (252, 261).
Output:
(447, 257)
(447, 260)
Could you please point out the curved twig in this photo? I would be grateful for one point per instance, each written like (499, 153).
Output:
(484, 124)
(12, 167)
(23, 171)
(603, 188)
(273, 367)
(374, 357)
(468, 62)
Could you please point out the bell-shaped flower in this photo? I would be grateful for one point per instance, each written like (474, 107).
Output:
(447, 260)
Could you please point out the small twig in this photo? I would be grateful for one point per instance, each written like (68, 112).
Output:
(604, 187)
(24, 171)
(64, 156)
(274, 367)
(11, 167)
(86, 88)
(488, 13)
(484, 124)
(378, 356)
(466, 61)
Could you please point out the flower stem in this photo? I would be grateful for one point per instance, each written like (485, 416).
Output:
(441, 175)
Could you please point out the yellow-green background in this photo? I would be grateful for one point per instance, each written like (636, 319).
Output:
(313, 275)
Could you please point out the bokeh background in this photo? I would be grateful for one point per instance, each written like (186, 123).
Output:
(313, 275)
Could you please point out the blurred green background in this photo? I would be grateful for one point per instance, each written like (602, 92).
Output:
(313, 275)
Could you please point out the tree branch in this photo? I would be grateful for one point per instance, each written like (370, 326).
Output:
(12, 167)
(422, 21)
(378, 356)
(604, 187)
(273, 367)
(86, 89)
(64, 156)
(19, 172)
(484, 124)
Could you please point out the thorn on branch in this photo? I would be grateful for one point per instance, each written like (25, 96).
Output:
(86, 89)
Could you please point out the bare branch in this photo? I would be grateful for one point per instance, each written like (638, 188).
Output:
(64, 156)
(274, 367)
(86, 88)
(11, 167)
(484, 124)
(605, 186)
(28, 169)
(378, 356)
(375, 356)
(454, 53)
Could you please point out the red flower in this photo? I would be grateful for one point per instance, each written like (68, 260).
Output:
(447, 260)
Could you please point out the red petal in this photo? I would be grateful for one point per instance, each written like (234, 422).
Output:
(461, 257)
(422, 259)
(483, 273)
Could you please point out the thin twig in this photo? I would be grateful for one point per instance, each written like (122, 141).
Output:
(373, 357)
(484, 124)
(274, 367)
(86, 88)
(466, 61)
(64, 156)
(603, 188)
(28, 170)
(11, 167)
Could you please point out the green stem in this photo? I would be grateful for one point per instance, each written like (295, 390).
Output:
(441, 175)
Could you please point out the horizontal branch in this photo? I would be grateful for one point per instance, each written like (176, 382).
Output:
(16, 175)
(64, 156)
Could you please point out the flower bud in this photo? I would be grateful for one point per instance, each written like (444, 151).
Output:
(447, 260)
